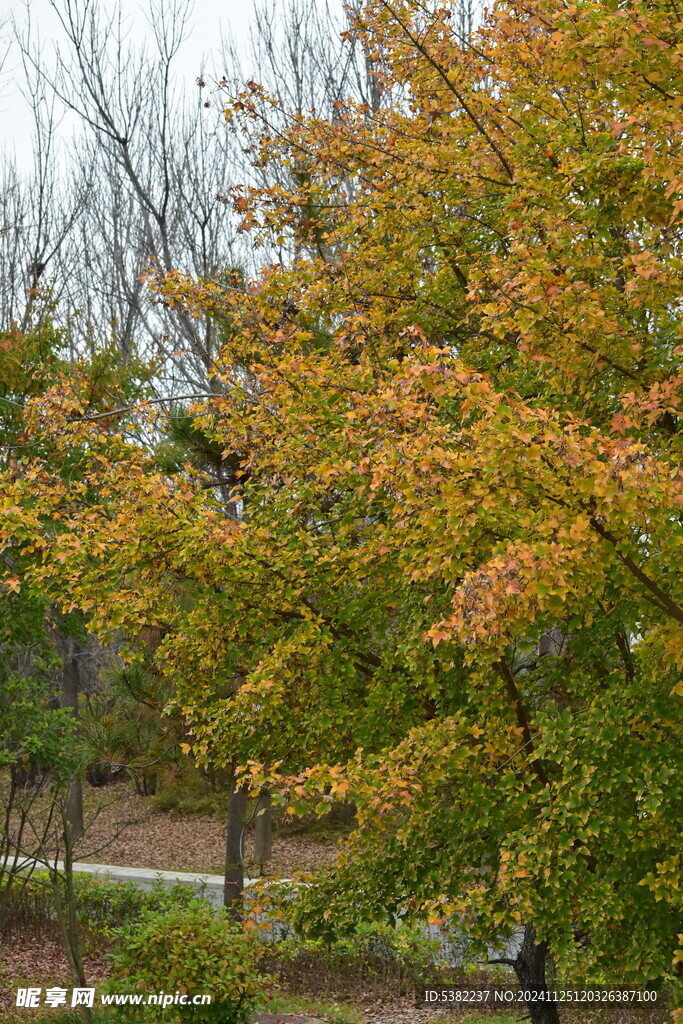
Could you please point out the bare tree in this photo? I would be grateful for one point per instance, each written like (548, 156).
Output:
(156, 168)
(146, 177)
(38, 212)
(308, 57)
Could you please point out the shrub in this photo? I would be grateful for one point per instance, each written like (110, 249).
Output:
(103, 906)
(172, 800)
(193, 950)
(376, 958)
(188, 791)
(74, 1017)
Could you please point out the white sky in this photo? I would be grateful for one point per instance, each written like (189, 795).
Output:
(210, 19)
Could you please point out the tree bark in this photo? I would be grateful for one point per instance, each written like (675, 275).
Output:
(530, 970)
(70, 688)
(67, 918)
(263, 830)
(553, 642)
(74, 808)
(233, 887)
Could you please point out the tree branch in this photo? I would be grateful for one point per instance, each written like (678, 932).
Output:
(664, 601)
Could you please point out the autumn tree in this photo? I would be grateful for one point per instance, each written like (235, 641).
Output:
(455, 592)
(43, 649)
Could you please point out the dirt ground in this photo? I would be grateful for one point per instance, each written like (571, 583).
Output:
(127, 830)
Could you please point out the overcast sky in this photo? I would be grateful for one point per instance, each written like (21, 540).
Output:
(210, 19)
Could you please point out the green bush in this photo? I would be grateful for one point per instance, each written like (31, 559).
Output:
(74, 1017)
(192, 950)
(188, 791)
(103, 906)
(172, 799)
(376, 959)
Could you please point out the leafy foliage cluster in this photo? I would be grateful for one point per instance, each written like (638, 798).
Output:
(103, 906)
(446, 581)
(376, 960)
(194, 950)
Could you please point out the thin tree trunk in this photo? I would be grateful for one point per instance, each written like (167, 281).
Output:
(70, 687)
(65, 909)
(74, 807)
(263, 830)
(530, 970)
(233, 888)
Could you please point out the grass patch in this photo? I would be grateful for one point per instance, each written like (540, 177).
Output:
(339, 1013)
(324, 830)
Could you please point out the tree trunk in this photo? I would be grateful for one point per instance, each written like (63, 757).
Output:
(233, 888)
(70, 687)
(67, 918)
(74, 808)
(530, 971)
(263, 830)
(553, 643)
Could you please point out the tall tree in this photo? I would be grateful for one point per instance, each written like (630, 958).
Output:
(459, 435)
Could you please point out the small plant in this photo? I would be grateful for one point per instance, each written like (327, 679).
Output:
(102, 907)
(72, 1017)
(188, 791)
(376, 958)
(193, 950)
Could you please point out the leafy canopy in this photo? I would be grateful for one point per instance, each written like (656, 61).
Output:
(457, 416)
